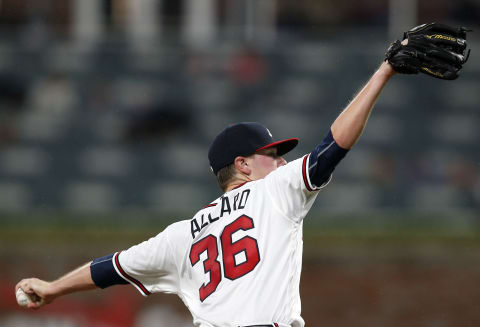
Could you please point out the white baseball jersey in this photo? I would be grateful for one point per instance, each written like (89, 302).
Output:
(237, 262)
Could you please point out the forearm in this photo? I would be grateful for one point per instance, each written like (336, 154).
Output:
(348, 126)
(79, 279)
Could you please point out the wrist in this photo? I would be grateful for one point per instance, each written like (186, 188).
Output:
(386, 69)
(51, 290)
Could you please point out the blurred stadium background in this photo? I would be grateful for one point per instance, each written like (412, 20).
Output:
(108, 108)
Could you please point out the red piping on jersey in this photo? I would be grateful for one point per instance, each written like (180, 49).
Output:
(239, 185)
(304, 173)
(130, 278)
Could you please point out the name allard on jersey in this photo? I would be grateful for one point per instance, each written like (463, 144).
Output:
(228, 205)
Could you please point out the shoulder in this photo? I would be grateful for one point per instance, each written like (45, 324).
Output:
(292, 170)
(294, 165)
(176, 228)
(177, 233)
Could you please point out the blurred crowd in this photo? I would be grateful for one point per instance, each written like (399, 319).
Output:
(108, 126)
(308, 13)
(301, 15)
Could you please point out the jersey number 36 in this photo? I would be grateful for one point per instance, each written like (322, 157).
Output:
(230, 249)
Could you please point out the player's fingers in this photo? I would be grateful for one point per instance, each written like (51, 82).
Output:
(35, 305)
(18, 285)
(32, 305)
(28, 286)
(25, 285)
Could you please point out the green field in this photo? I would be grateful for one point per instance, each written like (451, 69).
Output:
(354, 230)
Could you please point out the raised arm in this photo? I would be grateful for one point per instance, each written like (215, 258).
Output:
(79, 279)
(345, 130)
(348, 126)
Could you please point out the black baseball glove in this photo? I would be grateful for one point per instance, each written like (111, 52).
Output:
(434, 49)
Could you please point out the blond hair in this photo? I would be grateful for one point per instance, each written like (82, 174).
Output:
(226, 175)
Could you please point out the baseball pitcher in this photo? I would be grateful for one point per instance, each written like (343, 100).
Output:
(237, 261)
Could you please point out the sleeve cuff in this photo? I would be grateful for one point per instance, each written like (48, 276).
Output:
(103, 273)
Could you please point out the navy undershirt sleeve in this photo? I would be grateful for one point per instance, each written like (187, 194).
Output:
(104, 274)
(323, 160)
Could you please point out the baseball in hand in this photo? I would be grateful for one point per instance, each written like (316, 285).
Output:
(23, 299)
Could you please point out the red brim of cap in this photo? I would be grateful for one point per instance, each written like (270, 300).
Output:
(283, 146)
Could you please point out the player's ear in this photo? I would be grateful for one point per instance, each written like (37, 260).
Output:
(241, 163)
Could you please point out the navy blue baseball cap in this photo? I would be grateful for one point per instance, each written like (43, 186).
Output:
(244, 139)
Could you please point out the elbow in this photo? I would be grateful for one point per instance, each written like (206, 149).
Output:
(346, 139)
